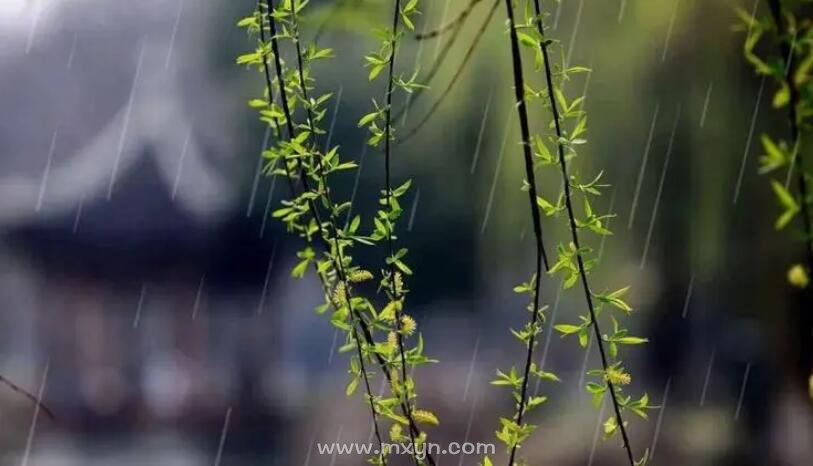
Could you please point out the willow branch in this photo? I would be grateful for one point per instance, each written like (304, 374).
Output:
(366, 333)
(786, 49)
(315, 213)
(541, 256)
(574, 231)
(388, 196)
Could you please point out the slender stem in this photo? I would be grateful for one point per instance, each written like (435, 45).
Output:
(342, 276)
(388, 130)
(315, 213)
(574, 231)
(36, 401)
(269, 87)
(785, 48)
(388, 196)
(288, 175)
(330, 206)
(541, 256)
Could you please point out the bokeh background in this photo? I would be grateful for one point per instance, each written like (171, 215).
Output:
(145, 292)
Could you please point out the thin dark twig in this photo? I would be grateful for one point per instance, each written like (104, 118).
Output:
(268, 81)
(459, 19)
(388, 196)
(466, 58)
(541, 256)
(574, 232)
(28, 395)
(332, 221)
(413, 431)
(786, 50)
(315, 213)
(365, 329)
(288, 176)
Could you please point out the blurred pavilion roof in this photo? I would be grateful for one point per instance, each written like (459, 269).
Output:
(90, 90)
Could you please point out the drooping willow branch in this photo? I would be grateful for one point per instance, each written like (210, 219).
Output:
(388, 196)
(588, 295)
(379, 125)
(300, 150)
(406, 408)
(455, 78)
(270, 90)
(338, 264)
(388, 127)
(342, 274)
(534, 327)
(786, 49)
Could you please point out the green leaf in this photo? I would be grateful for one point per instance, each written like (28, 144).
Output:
(788, 202)
(535, 401)
(785, 198)
(299, 269)
(527, 40)
(407, 22)
(560, 97)
(584, 336)
(631, 340)
(257, 103)
(782, 96)
(774, 155)
(351, 387)
(400, 190)
(566, 329)
(375, 71)
(367, 119)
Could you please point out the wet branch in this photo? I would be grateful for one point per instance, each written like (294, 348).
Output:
(574, 231)
(785, 48)
(388, 190)
(541, 256)
(315, 213)
(363, 326)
